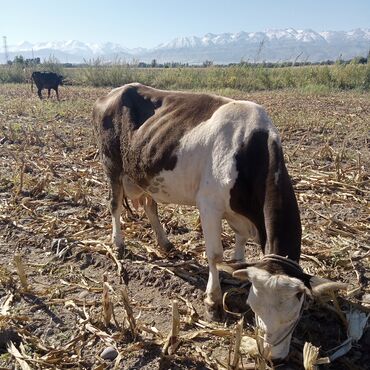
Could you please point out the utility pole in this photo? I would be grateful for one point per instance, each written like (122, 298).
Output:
(5, 50)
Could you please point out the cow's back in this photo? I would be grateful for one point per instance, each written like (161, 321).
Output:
(182, 139)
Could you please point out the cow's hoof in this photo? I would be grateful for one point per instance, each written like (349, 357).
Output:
(120, 249)
(214, 311)
(121, 253)
(167, 246)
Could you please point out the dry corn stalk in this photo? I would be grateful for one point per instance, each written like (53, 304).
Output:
(106, 338)
(21, 175)
(5, 308)
(311, 358)
(12, 349)
(198, 224)
(191, 315)
(208, 360)
(172, 341)
(20, 271)
(129, 313)
(263, 356)
(238, 338)
(310, 355)
(111, 253)
(107, 306)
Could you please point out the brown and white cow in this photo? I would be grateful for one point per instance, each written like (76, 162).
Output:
(225, 157)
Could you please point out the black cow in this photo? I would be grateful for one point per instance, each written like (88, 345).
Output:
(46, 80)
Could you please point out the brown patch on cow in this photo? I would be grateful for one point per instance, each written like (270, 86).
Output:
(267, 201)
(107, 123)
(247, 196)
(107, 135)
(282, 219)
(145, 126)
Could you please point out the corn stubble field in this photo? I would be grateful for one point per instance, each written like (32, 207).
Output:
(65, 297)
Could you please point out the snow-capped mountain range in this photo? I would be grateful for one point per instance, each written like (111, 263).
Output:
(270, 46)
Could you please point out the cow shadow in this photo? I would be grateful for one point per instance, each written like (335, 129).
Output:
(186, 276)
(39, 304)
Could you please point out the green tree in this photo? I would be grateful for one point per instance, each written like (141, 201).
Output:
(18, 59)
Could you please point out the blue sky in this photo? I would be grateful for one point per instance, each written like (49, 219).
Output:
(145, 23)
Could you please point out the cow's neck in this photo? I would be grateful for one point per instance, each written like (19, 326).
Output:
(281, 218)
(264, 194)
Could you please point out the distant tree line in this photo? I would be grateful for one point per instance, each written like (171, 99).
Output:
(356, 60)
(20, 60)
(155, 64)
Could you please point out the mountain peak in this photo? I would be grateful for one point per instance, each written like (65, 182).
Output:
(270, 45)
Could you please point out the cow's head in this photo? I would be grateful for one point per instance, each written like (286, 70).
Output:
(276, 296)
(61, 79)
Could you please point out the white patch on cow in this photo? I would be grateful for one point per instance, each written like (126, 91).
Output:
(205, 157)
(277, 305)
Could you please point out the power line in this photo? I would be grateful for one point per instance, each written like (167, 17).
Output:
(5, 50)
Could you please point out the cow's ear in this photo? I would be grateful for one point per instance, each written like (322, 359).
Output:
(230, 267)
(321, 286)
(253, 274)
(241, 274)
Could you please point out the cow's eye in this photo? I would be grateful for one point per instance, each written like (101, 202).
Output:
(299, 295)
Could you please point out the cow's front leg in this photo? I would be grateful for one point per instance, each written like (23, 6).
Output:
(151, 211)
(211, 225)
(115, 207)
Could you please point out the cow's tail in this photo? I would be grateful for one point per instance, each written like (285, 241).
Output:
(32, 83)
(127, 207)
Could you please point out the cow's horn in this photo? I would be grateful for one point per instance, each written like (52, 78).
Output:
(321, 286)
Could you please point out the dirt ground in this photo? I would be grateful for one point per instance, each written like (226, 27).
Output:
(54, 220)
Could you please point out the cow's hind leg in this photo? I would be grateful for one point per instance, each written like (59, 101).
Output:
(39, 93)
(244, 230)
(239, 251)
(49, 93)
(115, 207)
(151, 210)
(211, 224)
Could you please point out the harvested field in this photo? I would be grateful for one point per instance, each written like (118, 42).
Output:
(64, 296)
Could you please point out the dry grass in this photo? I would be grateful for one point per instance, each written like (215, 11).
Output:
(61, 314)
